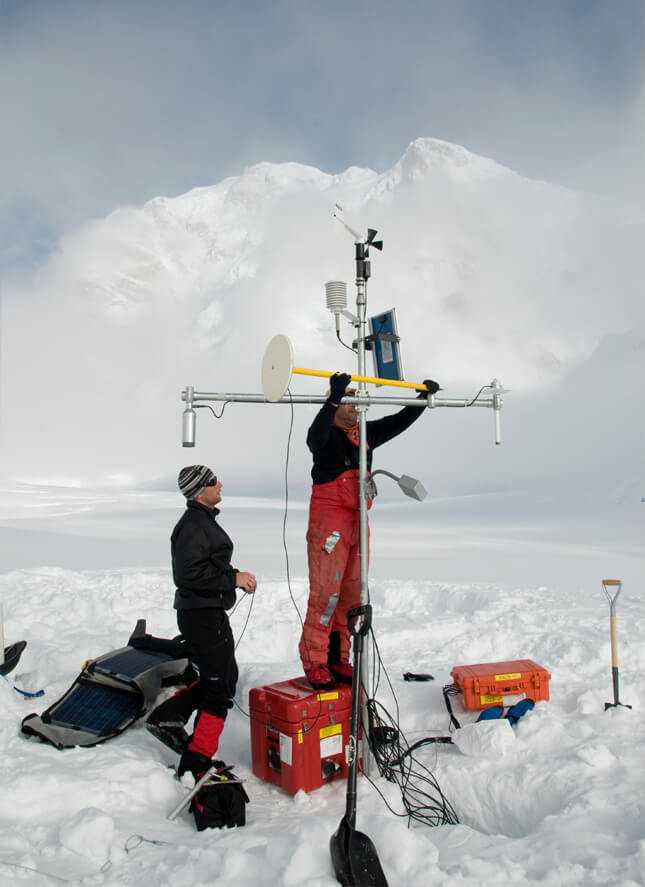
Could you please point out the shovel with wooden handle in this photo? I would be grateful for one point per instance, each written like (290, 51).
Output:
(612, 589)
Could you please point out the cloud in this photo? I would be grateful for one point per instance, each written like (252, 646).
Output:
(492, 275)
(113, 104)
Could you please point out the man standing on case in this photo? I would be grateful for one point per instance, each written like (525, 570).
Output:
(333, 544)
(206, 582)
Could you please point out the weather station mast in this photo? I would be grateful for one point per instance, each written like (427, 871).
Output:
(278, 369)
(353, 854)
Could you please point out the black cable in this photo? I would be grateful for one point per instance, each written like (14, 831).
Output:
(476, 397)
(248, 616)
(286, 554)
(286, 508)
(422, 797)
(451, 690)
(349, 348)
(377, 658)
(207, 406)
(429, 740)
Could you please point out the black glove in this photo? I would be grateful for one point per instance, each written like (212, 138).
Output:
(337, 386)
(432, 387)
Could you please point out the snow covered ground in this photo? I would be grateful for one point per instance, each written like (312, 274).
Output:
(453, 581)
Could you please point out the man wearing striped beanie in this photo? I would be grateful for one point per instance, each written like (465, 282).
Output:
(206, 582)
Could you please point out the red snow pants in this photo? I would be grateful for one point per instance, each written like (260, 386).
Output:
(334, 567)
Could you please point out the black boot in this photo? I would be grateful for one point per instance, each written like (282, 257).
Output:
(166, 723)
(170, 733)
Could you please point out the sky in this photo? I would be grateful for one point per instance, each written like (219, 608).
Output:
(113, 103)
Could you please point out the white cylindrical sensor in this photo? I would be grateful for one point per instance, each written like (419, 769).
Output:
(188, 427)
(336, 292)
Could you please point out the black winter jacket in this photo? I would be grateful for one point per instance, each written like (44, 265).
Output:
(201, 560)
(334, 453)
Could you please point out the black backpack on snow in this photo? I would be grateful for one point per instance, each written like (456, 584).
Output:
(221, 802)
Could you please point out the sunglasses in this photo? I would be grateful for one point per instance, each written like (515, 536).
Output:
(212, 482)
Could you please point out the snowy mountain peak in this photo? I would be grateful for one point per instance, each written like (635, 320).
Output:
(492, 276)
(233, 199)
(264, 179)
(424, 156)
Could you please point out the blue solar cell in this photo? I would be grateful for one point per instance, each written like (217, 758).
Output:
(130, 663)
(96, 708)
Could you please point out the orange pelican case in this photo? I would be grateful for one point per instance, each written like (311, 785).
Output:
(500, 683)
(299, 736)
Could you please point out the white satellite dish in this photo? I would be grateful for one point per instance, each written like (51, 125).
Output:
(277, 368)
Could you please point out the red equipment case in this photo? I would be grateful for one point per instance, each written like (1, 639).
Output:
(299, 736)
(500, 683)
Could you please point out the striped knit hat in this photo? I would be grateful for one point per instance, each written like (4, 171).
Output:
(194, 479)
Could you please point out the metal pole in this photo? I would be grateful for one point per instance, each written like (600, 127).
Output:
(362, 274)
(361, 302)
(196, 397)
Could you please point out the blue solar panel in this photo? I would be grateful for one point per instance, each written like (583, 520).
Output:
(96, 708)
(387, 349)
(130, 662)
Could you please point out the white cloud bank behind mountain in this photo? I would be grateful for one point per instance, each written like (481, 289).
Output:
(492, 275)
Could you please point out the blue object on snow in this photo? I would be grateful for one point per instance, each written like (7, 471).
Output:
(491, 714)
(520, 708)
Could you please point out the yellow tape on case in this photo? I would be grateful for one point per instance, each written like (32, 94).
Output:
(486, 700)
(331, 730)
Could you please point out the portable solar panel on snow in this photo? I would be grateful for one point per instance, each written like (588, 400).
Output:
(112, 692)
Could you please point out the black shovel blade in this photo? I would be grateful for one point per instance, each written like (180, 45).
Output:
(11, 656)
(355, 859)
